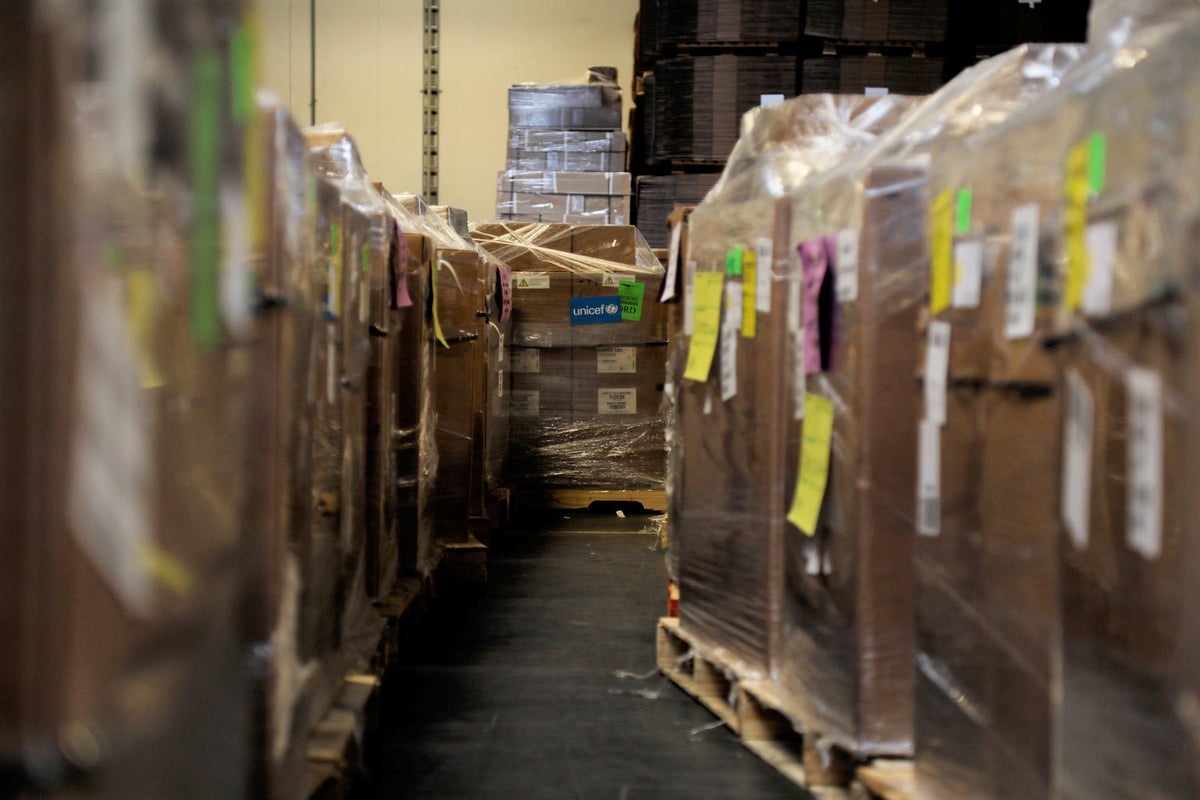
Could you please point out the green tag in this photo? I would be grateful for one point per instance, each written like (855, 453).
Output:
(733, 262)
(241, 66)
(204, 151)
(962, 212)
(1097, 162)
(632, 294)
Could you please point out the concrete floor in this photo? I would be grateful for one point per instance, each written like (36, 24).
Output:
(544, 686)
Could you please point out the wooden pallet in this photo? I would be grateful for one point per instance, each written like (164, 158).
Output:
(885, 779)
(650, 499)
(751, 709)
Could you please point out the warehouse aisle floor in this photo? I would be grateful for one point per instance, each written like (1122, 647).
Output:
(529, 690)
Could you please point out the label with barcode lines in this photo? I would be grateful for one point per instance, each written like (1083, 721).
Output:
(1144, 486)
(1021, 305)
(929, 478)
(937, 365)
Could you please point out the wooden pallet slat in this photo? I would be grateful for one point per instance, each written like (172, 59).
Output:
(650, 499)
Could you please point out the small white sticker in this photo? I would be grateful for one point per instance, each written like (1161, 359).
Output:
(1077, 460)
(929, 478)
(881, 91)
(672, 263)
(769, 99)
(708, 403)
(937, 365)
(610, 280)
(968, 274)
(530, 280)
(500, 383)
(616, 401)
(765, 254)
(1144, 454)
(730, 325)
(1102, 252)
(1021, 306)
(616, 360)
(526, 360)
(689, 299)
(525, 402)
(847, 265)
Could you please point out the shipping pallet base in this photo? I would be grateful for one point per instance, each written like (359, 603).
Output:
(885, 779)
(750, 710)
(548, 499)
(335, 746)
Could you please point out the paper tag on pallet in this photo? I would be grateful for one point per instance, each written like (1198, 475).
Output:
(937, 365)
(1077, 460)
(846, 267)
(672, 276)
(616, 401)
(968, 274)
(530, 280)
(1101, 239)
(1021, 301)
(764, 253)
(689, 299)
(729, 339)
(1144, 454)
(929, 478)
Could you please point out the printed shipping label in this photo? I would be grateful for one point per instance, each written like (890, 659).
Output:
(632, 294)
(1101, 239)
(616, 359)
(616, 401)
(1021, 306)
(1144, 488)
(1077, 460)
(729, 340)
(530, 280)
(968, 274)
(524, 402)
(763, 256)
(526, 360)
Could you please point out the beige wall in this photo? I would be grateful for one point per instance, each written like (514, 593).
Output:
(369, 75)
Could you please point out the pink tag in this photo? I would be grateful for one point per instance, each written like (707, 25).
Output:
(814, 260)
(402, 298)
(505, 293)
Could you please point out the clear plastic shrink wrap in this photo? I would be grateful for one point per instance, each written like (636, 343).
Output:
(728, 493)
(127, 347)
(848, 643)
(585, 396)
(594, 103)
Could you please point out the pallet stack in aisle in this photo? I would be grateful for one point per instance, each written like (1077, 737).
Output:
(974, 539)
(566, 154)
(587, 355)
(658, 195)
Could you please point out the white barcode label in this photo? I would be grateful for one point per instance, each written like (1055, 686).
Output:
(847, 265)
(764, 252)
(1144, 486)
(730, 325)
(530, 280)
(1102, 252)
(500, 383)
(672, 263)
(1021, 305)
(524, 402)
(526, 360)
(689, 299)
(929, 478)
(937, 364)
(968, 274)
(1077, 460)
(616, 359)
(616, 401)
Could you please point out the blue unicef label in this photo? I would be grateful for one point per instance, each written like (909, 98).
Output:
(590, 310)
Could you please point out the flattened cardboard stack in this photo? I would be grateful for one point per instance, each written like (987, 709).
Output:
(878, 20)
(729, 21)
(657, 196)
(587, 367)
(566, 154)
(699, 101)
(870, 73)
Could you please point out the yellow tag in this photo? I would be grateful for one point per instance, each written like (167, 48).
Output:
(707, 302)
(437, 326)
(1075, 219)
(749, 285)
(168, 570)
(140, 297)
(814, 463)
(941, 250)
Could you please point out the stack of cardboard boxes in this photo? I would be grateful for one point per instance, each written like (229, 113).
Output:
(566, 154)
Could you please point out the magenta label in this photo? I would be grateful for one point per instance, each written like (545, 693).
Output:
(505, 293)
(402, 298)
(814, 262)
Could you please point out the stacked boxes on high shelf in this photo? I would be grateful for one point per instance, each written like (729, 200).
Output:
(566, 154)
(586, 354)
(949, 439)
